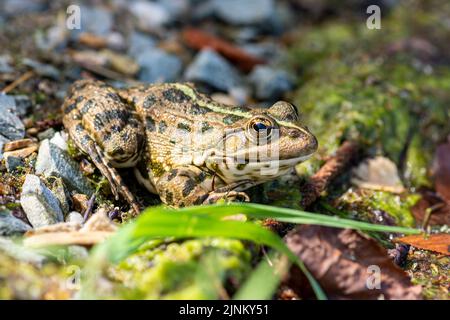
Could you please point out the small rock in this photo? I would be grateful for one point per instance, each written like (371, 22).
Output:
(176, 8)
(3, 140)
(23, 104)
(75, 217)
(39, 204)
(5, 64)
(158, 66)
(96, 20)
(80, 202)
(60, 192)
(244, 12)
(150, 15)
(20, 153)
(18, 144)
(211, 68)
(11, 226)
(14, 163)
(139, 42)
(42, 69)
(47, 134)
(54, 161)
(11, 127)
(269, 83)
(60, 140)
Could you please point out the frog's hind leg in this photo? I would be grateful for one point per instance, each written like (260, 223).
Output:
(88, 146)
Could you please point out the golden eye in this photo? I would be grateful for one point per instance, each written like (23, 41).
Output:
(260, 128)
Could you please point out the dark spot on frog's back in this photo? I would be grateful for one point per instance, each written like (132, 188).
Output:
(162, 126)
(87, 106)
(206, 126)
(184, 127)
(150, 123)
(176, 95)
(189, 185)
(69, 108)
(230, 119)
(169, 197)
(195, 109)
(113, 96)
(149, 101)
(79, 99)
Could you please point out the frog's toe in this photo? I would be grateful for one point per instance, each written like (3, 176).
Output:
(229, 196)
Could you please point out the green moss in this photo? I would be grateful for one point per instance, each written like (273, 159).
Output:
(193, 269)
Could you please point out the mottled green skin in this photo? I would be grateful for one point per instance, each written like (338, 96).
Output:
(175, 139)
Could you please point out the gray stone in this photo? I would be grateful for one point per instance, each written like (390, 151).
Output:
(23, 104)
(139, 42)
(270, 83)
(3, 140)
(5, 64)
(47, 134)
(42, 69)
(39, 204)
(14, 163)
(75, 217)
(211, 68)
(60, 140)
(59, 190)
(54, 161)
(96, 20)
(158, 66)
(176, 8)
(150, 15)
(11, 127)
(244, 12)
(11, 226)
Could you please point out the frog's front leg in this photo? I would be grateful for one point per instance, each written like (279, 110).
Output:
(187, 185)
(85, 143)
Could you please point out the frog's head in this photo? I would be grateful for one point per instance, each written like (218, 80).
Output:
(266, 144)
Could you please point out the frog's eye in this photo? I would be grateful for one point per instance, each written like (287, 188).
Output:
(260, 129)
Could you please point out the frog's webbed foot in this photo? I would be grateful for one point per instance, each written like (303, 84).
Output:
(116, 183)
(228, 196)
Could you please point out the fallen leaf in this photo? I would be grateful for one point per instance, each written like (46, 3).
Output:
(434, 207)
(199, 39)
(343, 262)
(435, 242)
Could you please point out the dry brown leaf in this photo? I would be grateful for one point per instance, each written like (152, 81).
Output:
(341, 261)
(435, 242)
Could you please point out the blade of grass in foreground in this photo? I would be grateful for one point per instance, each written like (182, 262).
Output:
(207, 221)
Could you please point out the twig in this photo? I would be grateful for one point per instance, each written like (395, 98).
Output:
(27, 75)
(332, 168)
(89, 208)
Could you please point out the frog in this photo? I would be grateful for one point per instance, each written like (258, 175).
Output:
(181, 144)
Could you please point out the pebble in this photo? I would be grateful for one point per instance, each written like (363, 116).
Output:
(42, 69)
(3, 140)
(96, 20)
(150, 15)
(244, 12)
(75, 217)
(11, 127)
(23, 104)
(211, 68)
(5, 64)
(39, 204)
(59, 190)
(54, 161)
(47, 134)
(11, 226)
(158, 66)
(139, 42)
(14, 163)
(270, 83)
